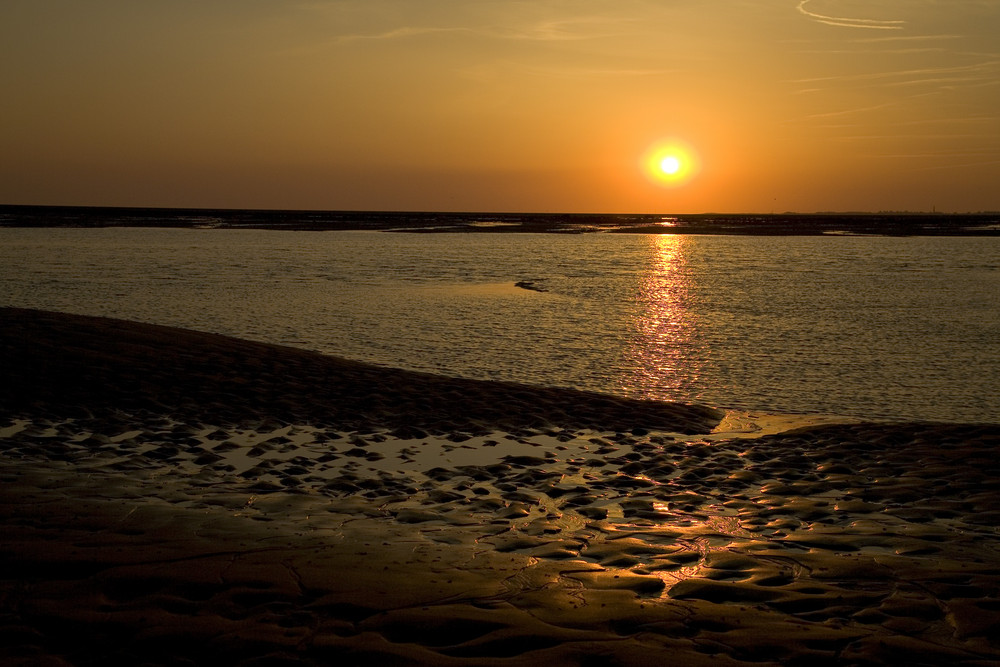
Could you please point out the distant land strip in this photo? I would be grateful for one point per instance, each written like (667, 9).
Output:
(773, 224)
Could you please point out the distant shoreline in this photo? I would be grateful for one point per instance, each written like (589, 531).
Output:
(773, 224)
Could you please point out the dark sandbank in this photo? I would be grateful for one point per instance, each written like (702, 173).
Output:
(72, 365)
(170, 497)
(887, 223)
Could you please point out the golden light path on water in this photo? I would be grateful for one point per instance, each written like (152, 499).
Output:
(665, 352)
(665, 357)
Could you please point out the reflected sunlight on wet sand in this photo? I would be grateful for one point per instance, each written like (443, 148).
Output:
(175, 496)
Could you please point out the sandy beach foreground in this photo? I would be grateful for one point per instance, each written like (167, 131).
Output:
(176, 498)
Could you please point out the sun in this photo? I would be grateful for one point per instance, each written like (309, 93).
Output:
(670, 163)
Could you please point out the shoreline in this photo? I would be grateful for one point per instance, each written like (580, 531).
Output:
(78, 363)
(776, 224)
(191, 498)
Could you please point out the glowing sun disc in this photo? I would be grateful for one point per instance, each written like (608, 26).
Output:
(670, 163)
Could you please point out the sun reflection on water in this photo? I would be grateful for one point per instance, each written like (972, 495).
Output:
(663, 359)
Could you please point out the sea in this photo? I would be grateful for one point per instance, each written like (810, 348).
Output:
(879, 327)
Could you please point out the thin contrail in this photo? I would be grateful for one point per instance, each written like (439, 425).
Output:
(871, 24)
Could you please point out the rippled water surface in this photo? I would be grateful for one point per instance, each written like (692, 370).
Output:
(872, 326)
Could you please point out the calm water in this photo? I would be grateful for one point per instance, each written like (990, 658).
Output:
(873, 326)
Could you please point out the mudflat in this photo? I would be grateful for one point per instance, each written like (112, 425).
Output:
(173, 497)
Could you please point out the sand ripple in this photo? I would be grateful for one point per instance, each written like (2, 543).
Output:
(196, 524)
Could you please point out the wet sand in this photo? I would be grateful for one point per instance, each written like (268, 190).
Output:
(171, 497)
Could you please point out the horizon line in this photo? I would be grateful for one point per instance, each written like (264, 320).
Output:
(932, 212)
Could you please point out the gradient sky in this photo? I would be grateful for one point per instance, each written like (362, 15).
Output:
(473, 105)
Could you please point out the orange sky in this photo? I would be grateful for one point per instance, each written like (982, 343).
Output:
(548, 105)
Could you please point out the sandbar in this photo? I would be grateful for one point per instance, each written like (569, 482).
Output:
(175, 497)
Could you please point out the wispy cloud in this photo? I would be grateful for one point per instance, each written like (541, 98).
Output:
(584, 72)
(845, 22)
(905, 38)
(908, 137)
(951, 121)
(847, 112)
(577, 28)
(958, 74)
(401, 33)
(572, 29)
(964, 165)
(854, 52)
(506, 68)
(940, 160)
